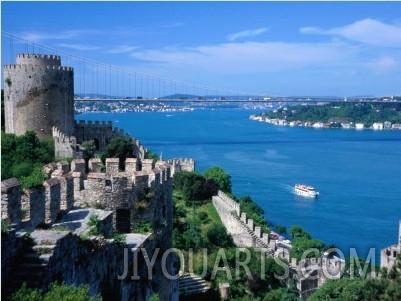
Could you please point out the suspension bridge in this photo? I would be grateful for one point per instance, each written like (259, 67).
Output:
(96, 80)
(99, 80)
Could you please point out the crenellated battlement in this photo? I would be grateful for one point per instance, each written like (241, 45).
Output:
(39, 95)
(38, 56)
(38, 59)
(57, 134)
(33, 67)
(155, 173)
(241, 228)
(102, 132)
(96, 122)
(101, 125)
(181, 164)
(72, 185)
(65, 146)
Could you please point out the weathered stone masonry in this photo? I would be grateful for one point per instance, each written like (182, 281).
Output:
(310, 272)
(38, 94)
(140, 194)
(242, 229)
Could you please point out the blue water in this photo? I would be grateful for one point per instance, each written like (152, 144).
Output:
(358, 173)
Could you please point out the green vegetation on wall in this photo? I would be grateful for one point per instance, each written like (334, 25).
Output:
(198, 229)
(61, 292)
(118, 148)
(23, 157)
(253, 211)
(194, 186)
(302, 242)
(218, 175)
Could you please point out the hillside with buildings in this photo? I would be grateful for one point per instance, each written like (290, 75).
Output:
(337, 115)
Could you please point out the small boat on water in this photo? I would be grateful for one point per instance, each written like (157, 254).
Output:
(306, 191)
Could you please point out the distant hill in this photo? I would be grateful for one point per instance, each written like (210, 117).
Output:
(366, 113)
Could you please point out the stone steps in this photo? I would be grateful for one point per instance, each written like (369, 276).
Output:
(34, 257)
(190, 284)
(32, 266)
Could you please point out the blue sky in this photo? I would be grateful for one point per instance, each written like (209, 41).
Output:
(270, 48)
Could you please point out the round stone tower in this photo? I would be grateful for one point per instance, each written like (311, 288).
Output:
(38, 94)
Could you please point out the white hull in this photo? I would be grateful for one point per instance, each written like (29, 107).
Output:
(306, 191)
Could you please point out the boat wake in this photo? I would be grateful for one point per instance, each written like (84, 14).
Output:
(286, 187)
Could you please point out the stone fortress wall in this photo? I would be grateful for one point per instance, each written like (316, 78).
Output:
(181, 164)
(66, 146)
(138, 194)
(243, 231)
(311, 273)
(38, 94)
(142, 193)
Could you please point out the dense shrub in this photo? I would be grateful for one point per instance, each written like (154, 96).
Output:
(218, 175)
(23, 156)
(217, 236)
(35, 179)
(194, 186)
(118, 148)
(61, 292)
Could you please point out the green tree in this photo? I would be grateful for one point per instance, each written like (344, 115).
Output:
(118, 148)
(150, 155)
(223, 179)
(194, 186)
(297, 232)
(90, 148)
(8, 145)
(280, 229)
(21, 155)
(217, 236)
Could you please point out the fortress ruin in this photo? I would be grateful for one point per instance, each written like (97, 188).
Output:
(39, 97)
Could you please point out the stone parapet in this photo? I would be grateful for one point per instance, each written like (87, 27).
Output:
(181, 164)
(112, 165)
(95, 165)
(133, 195)
(11, 201)
(234, 205)
(78, 165)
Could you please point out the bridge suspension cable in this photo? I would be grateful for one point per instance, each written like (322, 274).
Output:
(118, 82)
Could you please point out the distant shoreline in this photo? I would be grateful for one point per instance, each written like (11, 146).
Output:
(321, 125)
(344, 116)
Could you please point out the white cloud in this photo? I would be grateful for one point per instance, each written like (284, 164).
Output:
(250, 57)
(42, 36)
(246, 33)
(384, 64)
(78, 46)
(366, 31)
(122, 49)
(173, 25)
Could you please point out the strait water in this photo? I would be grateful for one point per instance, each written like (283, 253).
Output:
(358, 173)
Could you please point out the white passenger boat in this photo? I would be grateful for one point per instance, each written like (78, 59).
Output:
(304, 190)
